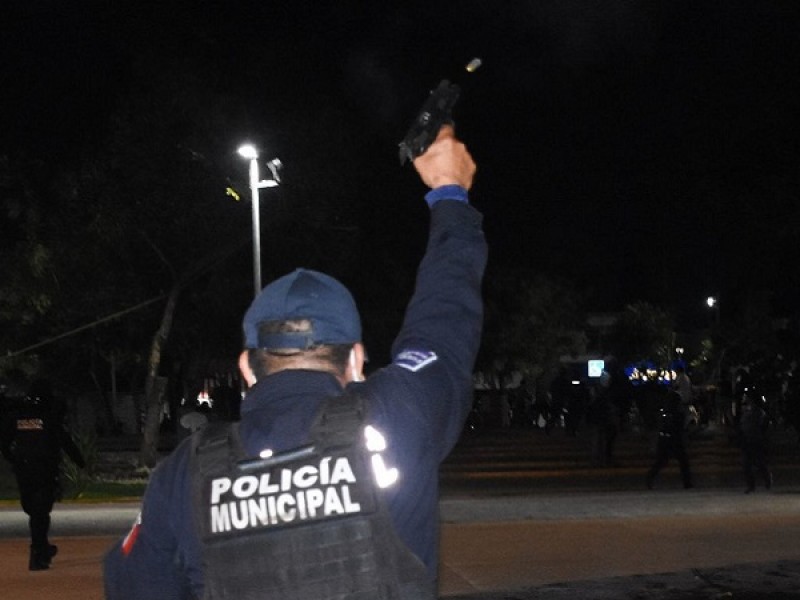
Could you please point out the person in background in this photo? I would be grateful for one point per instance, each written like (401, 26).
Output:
(753, 436)
(686, 390)
(33, 439)
(742, 385)
(601, 415)
(671, 441)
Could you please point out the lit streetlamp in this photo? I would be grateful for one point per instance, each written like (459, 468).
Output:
(250, 152)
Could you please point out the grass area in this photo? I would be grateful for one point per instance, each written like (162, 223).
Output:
(95, 490)
(108, 491)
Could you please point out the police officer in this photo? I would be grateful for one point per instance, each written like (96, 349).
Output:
(686, 390)
(328, 487)
(671, 440)
(33, 439)
(754, 427)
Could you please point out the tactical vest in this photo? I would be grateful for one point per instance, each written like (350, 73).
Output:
(34, 446)
(307, 524)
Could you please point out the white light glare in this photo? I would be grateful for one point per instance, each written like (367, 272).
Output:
(204, 398)
(375, 440)
(383, 477)
(248, 151)
(711, 301)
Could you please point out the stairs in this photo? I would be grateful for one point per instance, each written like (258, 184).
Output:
(524, 460)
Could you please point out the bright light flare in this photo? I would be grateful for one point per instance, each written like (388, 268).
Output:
(248, 151)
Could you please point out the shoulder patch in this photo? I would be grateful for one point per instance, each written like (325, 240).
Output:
(414, 360)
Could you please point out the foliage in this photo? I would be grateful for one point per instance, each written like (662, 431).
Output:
(643, 332)
(531, 322)
(142, 214)
(118, 224)
(22, 297)
(79, 479)
(105, 491)
(113, 229)
(703, 365)
(749, 335)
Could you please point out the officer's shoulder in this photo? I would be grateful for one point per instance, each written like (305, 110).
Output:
(169, 467)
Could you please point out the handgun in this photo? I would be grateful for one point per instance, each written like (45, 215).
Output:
(436, 111)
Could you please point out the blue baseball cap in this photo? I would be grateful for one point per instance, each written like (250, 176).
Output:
(303, 294)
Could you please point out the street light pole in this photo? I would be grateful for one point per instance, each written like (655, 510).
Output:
(249, 151)
(254, 177)
(713, 303)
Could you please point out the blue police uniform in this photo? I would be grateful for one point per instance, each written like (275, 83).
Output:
(32, 438)
(419, 403)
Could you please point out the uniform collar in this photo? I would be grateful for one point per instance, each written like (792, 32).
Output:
(289, 386)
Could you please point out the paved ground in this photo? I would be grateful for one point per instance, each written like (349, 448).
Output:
(596, 533)
(638, 545)
(552, 529)
(757, 581)
(626, 545)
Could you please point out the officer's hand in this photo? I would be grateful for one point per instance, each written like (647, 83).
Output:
(446, 162)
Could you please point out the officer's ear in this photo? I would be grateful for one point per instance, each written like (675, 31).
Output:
(245, 370)
(355, 367)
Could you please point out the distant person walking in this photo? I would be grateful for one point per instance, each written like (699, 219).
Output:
(683, 386)
(603, 417)
(559, 393)
(671, 441)
(33, 437)
(753, 437)
(742, 385)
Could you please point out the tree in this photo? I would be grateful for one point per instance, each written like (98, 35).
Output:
(531, 322)
(643, 332)
(138, 218)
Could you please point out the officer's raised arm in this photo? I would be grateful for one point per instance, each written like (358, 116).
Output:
(420, 401)
(445, 312)
(440, 335)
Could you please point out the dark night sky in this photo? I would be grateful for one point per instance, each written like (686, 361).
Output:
(644, 150)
